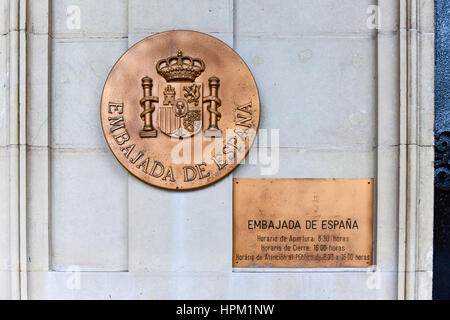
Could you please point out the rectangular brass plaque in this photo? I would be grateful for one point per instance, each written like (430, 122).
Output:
(302, 223)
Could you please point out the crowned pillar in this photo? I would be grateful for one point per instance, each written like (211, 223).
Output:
(147, 104)
(214, 102)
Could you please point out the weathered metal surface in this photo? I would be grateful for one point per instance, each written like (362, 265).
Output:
(180, 110)
(288, 223)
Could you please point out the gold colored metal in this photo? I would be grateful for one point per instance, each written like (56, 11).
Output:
(302, 223)
(147, 103)
(214, 115)
(175, 82)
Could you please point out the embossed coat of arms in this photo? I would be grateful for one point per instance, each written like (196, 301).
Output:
(180, 110)
(180, 100)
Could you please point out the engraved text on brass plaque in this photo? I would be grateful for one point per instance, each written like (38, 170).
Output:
(302, 223)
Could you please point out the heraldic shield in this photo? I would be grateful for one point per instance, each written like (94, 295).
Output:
(180, 111)
(180, 100)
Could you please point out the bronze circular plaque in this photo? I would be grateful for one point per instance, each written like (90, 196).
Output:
(180, 110)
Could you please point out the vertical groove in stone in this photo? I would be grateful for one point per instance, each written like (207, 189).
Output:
(403, 152)
(419, 190)
(234, 22)
(376, 196)
(14, 147)
(49, 133)
(411, 153)
(23, 149)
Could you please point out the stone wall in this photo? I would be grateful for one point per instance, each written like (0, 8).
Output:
(328, 76)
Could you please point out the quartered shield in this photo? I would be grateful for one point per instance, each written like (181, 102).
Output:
(180, 111)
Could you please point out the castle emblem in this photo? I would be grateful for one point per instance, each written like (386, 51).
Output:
(180, 100)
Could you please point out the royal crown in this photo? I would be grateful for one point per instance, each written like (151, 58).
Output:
(180, 68)
(169, 90)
